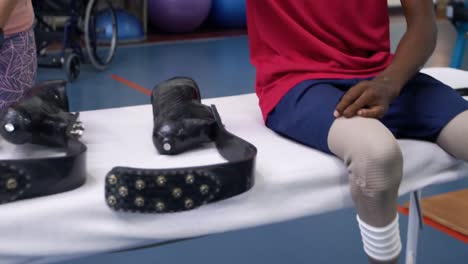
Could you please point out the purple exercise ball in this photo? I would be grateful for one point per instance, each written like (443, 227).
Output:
(178, 16)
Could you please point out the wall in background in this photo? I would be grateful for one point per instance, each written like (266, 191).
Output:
(395, 3)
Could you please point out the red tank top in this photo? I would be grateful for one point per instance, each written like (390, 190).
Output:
(295, 40)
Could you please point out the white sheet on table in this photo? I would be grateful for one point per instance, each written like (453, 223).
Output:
(291, 181)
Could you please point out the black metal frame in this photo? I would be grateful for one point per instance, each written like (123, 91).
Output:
(71, 36)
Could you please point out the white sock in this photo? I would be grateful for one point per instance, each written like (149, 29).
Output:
(381, 243)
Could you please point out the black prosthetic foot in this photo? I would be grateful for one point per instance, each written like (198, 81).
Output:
(42, 118)
(182, 123)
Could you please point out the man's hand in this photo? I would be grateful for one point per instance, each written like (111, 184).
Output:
(372, 98)
(369, 99)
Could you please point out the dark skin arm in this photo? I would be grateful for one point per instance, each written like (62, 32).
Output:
(6, 8)
(372, 98)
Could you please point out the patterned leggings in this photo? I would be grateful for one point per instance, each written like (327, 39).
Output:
(18, 67)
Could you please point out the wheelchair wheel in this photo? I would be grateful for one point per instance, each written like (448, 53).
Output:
(100, 52)
(72, 67)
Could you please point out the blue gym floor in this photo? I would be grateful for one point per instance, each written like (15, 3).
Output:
(221, 67)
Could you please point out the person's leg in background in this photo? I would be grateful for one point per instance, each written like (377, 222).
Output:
(368, 149)
(427, 109)
(454, 137)
(18, 67)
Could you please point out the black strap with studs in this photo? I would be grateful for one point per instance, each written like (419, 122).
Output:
(42, 117)
(29, 178)
(180, 189)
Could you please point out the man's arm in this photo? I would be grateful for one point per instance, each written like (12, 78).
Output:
(372, 98)
(6, 8)
(418, 43)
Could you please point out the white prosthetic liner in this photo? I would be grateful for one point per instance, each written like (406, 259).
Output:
(381, 243)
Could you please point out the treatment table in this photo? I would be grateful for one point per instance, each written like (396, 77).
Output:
(292, 181)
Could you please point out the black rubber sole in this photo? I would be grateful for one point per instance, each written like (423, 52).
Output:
(13, 183)
(157, 191)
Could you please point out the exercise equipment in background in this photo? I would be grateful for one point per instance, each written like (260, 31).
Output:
(457, 12)
(80, 24)
(229, 13)
(178, 16)
(130, 28)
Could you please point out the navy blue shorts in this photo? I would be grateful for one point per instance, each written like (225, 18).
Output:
(423, 108)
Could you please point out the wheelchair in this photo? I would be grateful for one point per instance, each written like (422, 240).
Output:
(80, 29)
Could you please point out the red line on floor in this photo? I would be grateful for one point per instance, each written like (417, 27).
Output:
(131, 84)
(438, 226)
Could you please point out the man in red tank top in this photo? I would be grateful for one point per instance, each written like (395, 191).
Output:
(326, 78)
(292, 41)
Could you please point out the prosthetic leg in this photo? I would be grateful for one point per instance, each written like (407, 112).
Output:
(42, 117)
(182, 123)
